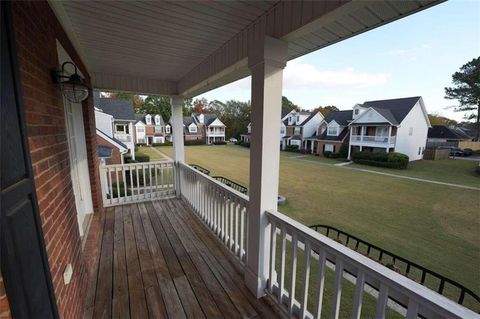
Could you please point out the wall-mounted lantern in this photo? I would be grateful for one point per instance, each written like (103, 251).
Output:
(72, 85)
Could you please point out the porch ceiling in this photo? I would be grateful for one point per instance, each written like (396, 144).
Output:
(173, 47)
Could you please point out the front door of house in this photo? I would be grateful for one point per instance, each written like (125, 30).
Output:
(23, 257)
(78, 163)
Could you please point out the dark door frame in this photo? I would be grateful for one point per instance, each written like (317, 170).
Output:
(14, 286)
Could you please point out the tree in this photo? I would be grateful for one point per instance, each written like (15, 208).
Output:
(436, 119)
(234, 114)
(187, 107)
(466, 90)
(137, 100)
(325, 110)
(288, 105)
(155, 104)
(200, 105)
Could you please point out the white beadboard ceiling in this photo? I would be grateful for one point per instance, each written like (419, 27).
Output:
(188, 47)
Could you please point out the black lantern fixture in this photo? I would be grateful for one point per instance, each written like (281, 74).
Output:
(73, 86)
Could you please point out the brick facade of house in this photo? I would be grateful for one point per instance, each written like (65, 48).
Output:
(4, 307)
(116, 156)
(36, 31)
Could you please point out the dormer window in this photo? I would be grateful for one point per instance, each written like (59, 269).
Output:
(148, 119)
(332, 130)
(157, 119)
(193, 128)
(298, 119)
(167, 129)
(356, 111)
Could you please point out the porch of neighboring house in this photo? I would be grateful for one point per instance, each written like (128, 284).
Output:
(158, 260)
(372, 138)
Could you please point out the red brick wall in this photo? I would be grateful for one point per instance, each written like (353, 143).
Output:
(36, 31)
(116, 156)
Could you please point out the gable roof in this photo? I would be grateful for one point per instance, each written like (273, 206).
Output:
(141, 117)
(119, 109)
(393, 110)
(112, 140)
(208, 118)
(341, 117)
(441, 131)
(311, 116)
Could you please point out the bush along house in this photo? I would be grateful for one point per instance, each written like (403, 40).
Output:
(161, 239)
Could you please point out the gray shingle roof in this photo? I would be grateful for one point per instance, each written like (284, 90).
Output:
(119, 109)
(441, 131)
(394, 110)
(341, 117)
(141, 117)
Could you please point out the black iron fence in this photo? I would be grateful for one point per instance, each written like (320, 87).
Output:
(242, 189)
(429, 278)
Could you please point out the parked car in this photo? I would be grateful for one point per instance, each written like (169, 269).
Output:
(455, 151)
(233, 140)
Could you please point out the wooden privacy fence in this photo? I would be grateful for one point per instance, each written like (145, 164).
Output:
(136, 182)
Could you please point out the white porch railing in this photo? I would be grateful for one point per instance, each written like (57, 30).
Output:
(136, 182)
(310, 254)
(223, 209)
(373, 139)
(123, 137)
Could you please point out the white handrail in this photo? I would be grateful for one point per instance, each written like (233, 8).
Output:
(136, 182)
(417, 299)
(223, 209)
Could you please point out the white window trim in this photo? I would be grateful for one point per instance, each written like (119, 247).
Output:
(193, 129)
(167, 129)
(330, 129)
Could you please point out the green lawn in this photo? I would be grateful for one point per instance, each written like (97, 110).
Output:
(434, 225)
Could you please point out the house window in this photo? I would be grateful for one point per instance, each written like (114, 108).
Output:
(148, 119)
(329, 148)
(298, 118)
(167, 129)
(157, 120)
(140, 129)
(120, 128)
(423, 150)
(356, 111)
(297, 130)
(419, 150)
(158, 129)
(193, 129)
(282, 130)
(141, 140)
(410, 132)
(332, 131)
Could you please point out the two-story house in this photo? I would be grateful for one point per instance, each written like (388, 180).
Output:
(151, 129)
(114, 126)
(245, 137)
(300, 125)
(210, 125)
(396, 125)
(331, 133)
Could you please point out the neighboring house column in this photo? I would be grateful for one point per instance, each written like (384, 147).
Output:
(349, 144)
(266, 60)
(131, 129)
(177, 134)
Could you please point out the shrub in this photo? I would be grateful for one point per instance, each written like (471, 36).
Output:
(242, 143)
(390, 160)
(128, 159)
(121, 187)
(291, 148)
(327, 154)
(142, 158)
(194, 142)
(220, 143)
(166, 143)
(343, 152)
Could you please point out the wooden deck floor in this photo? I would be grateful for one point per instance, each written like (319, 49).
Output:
(157, 260)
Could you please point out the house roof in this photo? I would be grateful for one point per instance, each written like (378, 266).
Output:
(312, 114)
(341, 117)
(119, 109)
(441, 131)
(393, 110)
(111, 139)
(104, 151)
(325, 137)
(141, 117)
(208, 118)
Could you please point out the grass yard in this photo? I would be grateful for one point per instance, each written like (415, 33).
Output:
(436, 226)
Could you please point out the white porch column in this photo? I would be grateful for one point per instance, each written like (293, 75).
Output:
(350, 144)
(266, 61)
(177, 135)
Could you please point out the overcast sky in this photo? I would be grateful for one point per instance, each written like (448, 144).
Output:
(413, 56)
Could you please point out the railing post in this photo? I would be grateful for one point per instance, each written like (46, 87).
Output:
(266, 61)
(177, 138)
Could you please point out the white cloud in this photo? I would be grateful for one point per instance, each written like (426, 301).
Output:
(301, 75)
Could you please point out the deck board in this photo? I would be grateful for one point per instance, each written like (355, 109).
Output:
(157, 260)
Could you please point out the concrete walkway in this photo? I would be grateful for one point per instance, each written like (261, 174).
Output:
(160, 153)
(422, 180)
